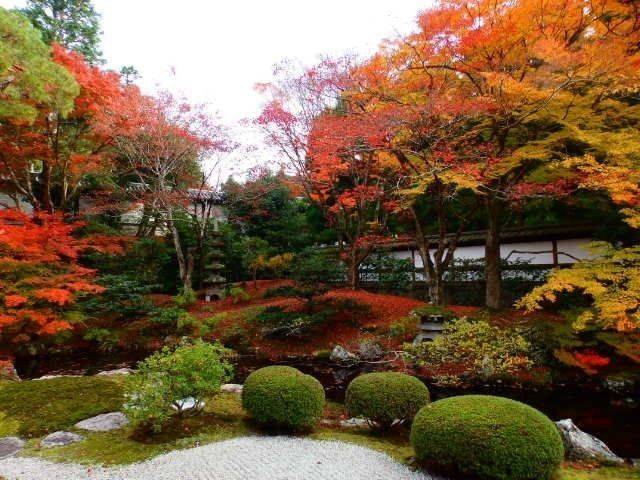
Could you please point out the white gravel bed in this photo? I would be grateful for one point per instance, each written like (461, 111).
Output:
(247, 458)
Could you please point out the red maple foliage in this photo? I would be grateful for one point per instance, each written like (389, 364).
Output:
(40, 274)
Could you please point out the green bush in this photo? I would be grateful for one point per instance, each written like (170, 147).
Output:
(483, 350)
(283, 398)
(239, 295)
(382, 398)
(186, 298)
(487, 437)
(166, 377)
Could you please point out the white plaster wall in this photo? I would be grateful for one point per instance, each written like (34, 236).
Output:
(516, 251)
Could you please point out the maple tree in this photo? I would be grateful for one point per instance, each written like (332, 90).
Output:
(351, 179)
(51, 160)
(162, 152)
(41, 277)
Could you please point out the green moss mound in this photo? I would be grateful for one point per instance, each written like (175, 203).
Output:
(38, 407)
(381, 398)
(283, 398)
(487, 437)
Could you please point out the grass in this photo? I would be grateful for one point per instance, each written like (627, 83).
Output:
(39, 407)
(36, 408)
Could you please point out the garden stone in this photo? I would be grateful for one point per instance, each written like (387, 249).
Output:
(370, 351)
(104, 422)
(10, 446)
(60, 439)
(118, 371)
(342, 355)
(581, 446)
(187, 404)
(231, 388)
(354, 423)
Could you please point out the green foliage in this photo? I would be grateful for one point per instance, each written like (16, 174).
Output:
(405, 328)
(611, 281)
(390, 273)
(239, 295)
(427, 310)
(313, 267)
(166, 377)
(39, 81)
(186, 298)
(175, 320)
(38, 407)
(106, 338)
(484, 350)
(491, 438)
(277, 322)
(283, 291)
(382, 398)
(125, 298)
(74, 25)
(283, 398)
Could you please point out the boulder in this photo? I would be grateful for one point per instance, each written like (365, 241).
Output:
(10, 446)
(370, 351)
(60, 439)
(231, 388)
(104, 422)
(581, 446)
(340, 354)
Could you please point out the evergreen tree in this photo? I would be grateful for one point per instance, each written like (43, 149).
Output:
(74, 24)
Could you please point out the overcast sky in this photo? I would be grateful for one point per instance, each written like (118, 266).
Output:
(219, 49)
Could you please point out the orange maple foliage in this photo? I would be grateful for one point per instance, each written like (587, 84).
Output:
(40, 276)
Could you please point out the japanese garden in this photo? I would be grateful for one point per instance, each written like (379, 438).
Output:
(419, 260)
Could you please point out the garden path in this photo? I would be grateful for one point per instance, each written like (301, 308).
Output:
(264, 458)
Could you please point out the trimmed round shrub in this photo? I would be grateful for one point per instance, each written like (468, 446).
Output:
(487, 437)
(381, 398)
(283, 398)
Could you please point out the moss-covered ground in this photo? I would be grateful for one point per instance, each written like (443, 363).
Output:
(32, 409)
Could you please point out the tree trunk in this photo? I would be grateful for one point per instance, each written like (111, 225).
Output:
(436, 289)
(353, 273)
(493, 276)
(184, 264)
(47, 202)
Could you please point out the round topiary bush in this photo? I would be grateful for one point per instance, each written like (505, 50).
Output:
(382, 398)
(283, 397)
(488, 438)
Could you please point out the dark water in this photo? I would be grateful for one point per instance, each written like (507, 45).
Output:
(613, 419)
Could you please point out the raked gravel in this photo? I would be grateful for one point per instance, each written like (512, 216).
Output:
(247, 458)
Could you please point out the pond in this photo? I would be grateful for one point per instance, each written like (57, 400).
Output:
(613, 419)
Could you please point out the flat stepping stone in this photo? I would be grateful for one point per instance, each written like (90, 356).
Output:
(10, 446)
(104, 422)
(231, 388)
(60, 439)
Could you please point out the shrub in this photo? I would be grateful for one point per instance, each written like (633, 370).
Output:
(487, 437)
(283, 398)
(484, 350)
(239, 295)
(382, 398)
(166, 377)
(185, 298)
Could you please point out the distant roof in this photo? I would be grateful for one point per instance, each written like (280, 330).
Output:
(511, 234)
(205, 195)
